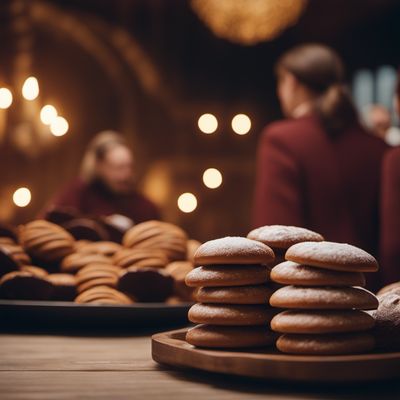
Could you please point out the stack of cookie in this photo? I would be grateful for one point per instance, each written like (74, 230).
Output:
(325, 300)
(281, 237)
(233, 293)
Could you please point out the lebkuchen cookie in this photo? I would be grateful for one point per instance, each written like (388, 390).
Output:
(140, 258)
(76, 261)
(323, 300)
(97, 275)
(158, 235)
(233, 291)
(281, 237)
(45, 241)
(103, 295)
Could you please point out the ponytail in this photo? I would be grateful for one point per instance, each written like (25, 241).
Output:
(335, 109)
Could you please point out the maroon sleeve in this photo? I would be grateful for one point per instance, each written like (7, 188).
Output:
(390, 217)
(278, 192)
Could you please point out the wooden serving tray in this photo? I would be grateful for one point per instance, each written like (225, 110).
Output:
(171, 348)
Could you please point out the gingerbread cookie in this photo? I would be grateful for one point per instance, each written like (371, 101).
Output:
(103, 295)
(325, 321)
(292, 273)
(331, 344)
(233, 250)
(218, 314)
(317, 298)
(75, 261)
(330, 255)
(229, 336)
(257, 294)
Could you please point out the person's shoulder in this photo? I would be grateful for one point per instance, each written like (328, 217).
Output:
(289, 130)
(76, 184)
(392, 158)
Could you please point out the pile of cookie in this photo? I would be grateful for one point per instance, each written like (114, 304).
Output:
(43, 261)
(318, 286)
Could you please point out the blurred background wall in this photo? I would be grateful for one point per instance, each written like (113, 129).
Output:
(150, 69)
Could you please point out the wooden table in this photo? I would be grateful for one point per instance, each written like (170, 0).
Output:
(88, 366)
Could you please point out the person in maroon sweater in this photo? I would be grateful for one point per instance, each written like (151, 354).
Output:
(106, 185)
(390, 212)
(319, 168)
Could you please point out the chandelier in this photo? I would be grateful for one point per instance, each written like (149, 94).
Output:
(248, 21)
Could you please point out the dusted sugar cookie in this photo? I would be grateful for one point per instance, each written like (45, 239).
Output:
(146, 284)
(64, 287)
(325, 321)
(335, 344)
(227, 275)
(257, 294)
(387, 330)
(393, 287)
(282, 236)
(330, 255)
(218, 314)
(230, 336)
(292, 273)
(22, 285)
(316, 298)
(233, 250)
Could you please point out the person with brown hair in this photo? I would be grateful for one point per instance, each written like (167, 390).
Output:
(106, 183)
(390, 211)
(318, 168)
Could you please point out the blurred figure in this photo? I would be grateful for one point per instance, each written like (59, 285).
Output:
(379, 121)
(106, 183)
(318, 168)
(390, 212)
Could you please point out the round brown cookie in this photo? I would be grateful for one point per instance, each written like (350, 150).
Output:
(79, 244)
(22, 285)
(227, 275)
(146, 284)
(64, 287)
(393, 287)
(140, 258)
(7, 261)
(94, 278)
(282, 236)
(6, 240)
(233, 250)
(218, 314)
(86, 229)
(75, 261)
(257, 294)
(98, 267)
(387, 316)
(342, 343)
(104, 247)
(17, 253)
(323, 297)
(34, 270)
(291, 273)
(178, 270)
(331, 255)
(326, 321)
(230, 336)
(103, 295)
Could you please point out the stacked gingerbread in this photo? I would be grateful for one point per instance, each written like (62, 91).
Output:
(281, 237)
(232, 294)
(324, 299)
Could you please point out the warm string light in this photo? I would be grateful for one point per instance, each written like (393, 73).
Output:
(207, 123)
(48, 114)
(6, 98)
(59, 126)
(30, 88)
(212, 178)
(22, 197)
(187, 202)
(241, 124)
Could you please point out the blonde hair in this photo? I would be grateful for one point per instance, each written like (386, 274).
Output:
(96, 151)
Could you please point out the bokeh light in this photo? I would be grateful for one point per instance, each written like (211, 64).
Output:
(30, 88)
(59, 126)
(22, 197)
(6, 98)
(48, 114)
(208, 123)
(212, 178)
(241, 124)
(187, 202)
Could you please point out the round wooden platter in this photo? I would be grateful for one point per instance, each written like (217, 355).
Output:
(171, 348)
